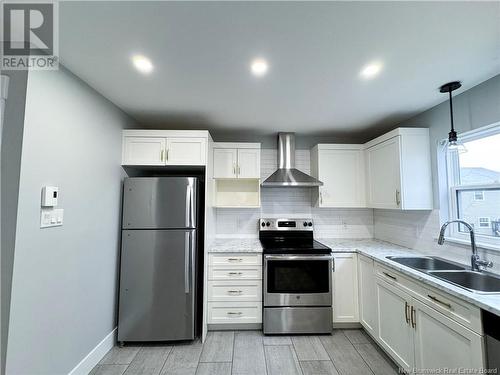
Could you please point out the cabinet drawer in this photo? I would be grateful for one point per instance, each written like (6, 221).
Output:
(238, 259)
(239, 312)
(230, 291)
(235, 273)
(454, 308)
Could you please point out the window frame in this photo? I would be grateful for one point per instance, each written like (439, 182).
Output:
(453, 189)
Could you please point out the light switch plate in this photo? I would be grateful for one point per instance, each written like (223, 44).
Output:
(50, 217)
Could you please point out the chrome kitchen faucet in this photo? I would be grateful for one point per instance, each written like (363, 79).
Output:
(476, 263)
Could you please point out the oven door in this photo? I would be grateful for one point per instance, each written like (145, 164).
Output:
(298, 280)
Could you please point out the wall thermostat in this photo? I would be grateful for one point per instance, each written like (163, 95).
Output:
(49, 196)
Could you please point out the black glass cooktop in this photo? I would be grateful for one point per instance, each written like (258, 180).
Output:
(293, 246)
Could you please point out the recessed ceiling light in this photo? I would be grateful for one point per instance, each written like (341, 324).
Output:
(142, 64)
(259, 67)
(371, 70)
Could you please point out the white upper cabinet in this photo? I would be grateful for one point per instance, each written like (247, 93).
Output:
(249, 163)
(236, 160)
(143, 151)
(186, 151)
(237, 174)
(341, 168)
(164, 147)
(384, 175)
(225, 162)
(399, 170)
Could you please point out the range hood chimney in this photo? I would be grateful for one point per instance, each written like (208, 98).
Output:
(287, 174)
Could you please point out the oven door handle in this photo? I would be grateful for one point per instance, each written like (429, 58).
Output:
(298, 257)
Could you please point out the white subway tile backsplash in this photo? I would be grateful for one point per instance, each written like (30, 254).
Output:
(294, 203)
(413, 229)
(419, 230)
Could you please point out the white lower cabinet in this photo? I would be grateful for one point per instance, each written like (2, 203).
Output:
(441, 342)
(417, 335)
(394, 333)
(234, 312)
(244, 290)
(345, 288)
(234, 290)
(368, 311)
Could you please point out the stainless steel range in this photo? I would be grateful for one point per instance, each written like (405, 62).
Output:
(297, 278)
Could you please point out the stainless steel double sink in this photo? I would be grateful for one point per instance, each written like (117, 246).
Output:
(459, 275)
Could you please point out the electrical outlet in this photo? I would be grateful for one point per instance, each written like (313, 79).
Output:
(50, 217)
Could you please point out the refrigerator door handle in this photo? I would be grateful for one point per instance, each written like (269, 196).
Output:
(187, 257)
(189, 205)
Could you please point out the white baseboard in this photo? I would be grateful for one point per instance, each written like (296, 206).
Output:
(95, 355)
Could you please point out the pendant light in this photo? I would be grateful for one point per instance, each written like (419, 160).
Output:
(453, 144)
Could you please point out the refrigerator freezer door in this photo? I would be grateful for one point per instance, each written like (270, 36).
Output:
(157, 279)
(159, 202)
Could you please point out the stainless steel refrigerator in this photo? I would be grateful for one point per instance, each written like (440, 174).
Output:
(158, 259)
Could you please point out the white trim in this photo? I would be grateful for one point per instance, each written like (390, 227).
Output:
(453, 186)
(165, 133)
(95, 355)
(482, 132)
(480, 245)
(395, 133)
(339, 146)
(231, 145)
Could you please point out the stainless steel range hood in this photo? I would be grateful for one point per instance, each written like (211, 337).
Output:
(287, 174)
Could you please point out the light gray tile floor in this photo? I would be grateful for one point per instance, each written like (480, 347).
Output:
(345, 352)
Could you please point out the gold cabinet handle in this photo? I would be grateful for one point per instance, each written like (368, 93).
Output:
(162, 154)
(234, 259)
(413, 317)
(435, 299)
(239, 170)
(407, 313)
(234, 313)
(390, 276)
(167, 153)
(235, 291)
(234, 169)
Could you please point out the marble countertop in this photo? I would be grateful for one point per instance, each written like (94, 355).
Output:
(379, 250)
(235, 245)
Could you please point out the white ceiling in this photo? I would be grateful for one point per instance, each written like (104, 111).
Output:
(201, 53)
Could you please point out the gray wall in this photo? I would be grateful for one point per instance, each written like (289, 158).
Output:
(12, 138)
(474, 108)
(64, 280)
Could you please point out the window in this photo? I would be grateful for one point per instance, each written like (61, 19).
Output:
(479, 195)
(484, 222)
(474, 186)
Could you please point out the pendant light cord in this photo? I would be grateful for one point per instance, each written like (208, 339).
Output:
(451, 111)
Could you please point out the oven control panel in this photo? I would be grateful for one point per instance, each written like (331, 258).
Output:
(286, 224)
